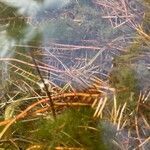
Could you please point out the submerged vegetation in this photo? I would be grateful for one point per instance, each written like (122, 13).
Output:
(75, 75)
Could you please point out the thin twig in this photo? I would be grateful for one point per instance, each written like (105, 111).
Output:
(45, 86)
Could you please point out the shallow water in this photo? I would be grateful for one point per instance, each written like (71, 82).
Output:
(75, 37)
(78, 42)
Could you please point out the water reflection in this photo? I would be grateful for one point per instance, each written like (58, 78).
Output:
(23, 7)
(33, 7)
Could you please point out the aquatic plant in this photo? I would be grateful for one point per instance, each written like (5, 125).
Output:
(69, 85)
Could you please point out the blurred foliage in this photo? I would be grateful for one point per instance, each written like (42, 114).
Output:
(16, 24)
(73, 128)
(146, 22)
(124, 80)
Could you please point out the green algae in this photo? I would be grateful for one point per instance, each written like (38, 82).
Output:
(126, 84)
(15, 24)
(73, 128)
